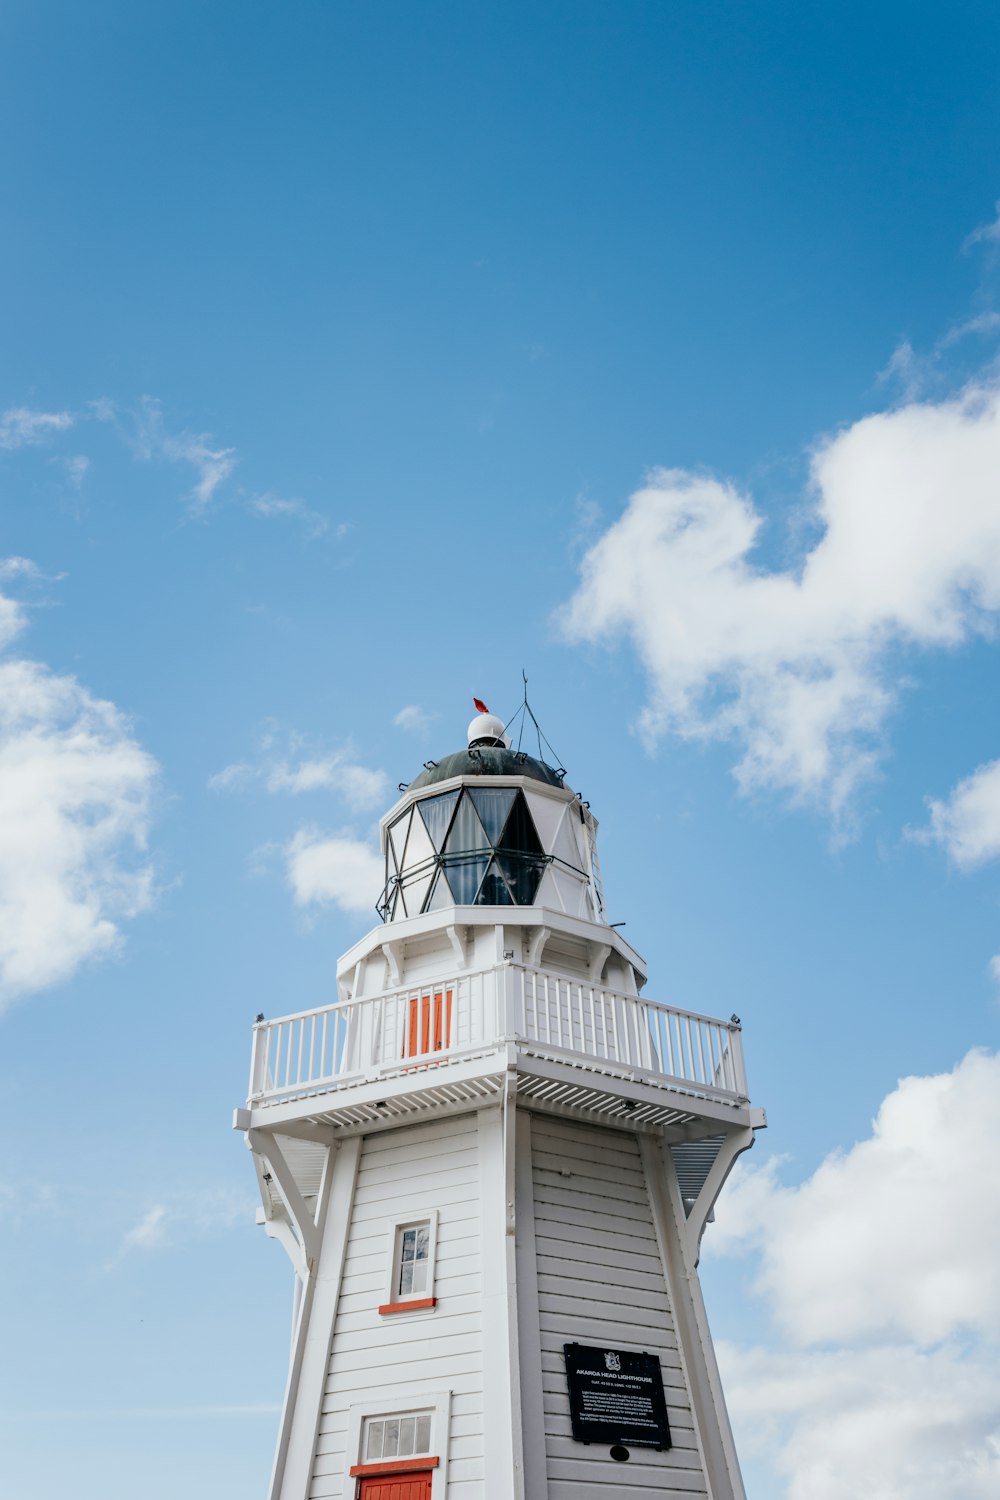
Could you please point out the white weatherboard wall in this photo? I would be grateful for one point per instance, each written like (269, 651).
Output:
(432, 1166)
(601, 1281)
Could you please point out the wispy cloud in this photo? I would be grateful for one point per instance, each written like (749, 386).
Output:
(20, 427)
(985, 234)
(212, 465)
(142, 1413)
(413, 719)
(284, 765)
(273, 507)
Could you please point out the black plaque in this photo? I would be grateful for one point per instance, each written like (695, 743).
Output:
(615, 1397)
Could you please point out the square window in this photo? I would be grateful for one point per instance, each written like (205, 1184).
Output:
(411, 1249)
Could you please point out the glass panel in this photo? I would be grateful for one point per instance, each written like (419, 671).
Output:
(409, 1244)
(418, 1276)
(493, 891)
(519, 832)
(522, 876)
(407, 1434)
(466, 831)
(406, 1278)
(416, 892)
(436, 813)
(397, 834)
(440, 896)
(376, 1432)
(493, 804)
(423, 1436)
(390, 1447)
(423, 1241)
(464, 877)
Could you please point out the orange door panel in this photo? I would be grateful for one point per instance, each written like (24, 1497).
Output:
(396, 1487)
(429, 1027)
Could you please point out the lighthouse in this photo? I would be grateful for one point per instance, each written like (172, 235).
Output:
(491, 1159)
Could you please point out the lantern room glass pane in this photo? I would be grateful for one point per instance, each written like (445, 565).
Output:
(494, 891)
(466, 834)
(522, 875)
(493, 804)
(519, 832)
(464, 877)
(436, 813)
(440, 896)
(397, 834)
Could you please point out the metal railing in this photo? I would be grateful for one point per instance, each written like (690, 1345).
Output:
(436, 1024)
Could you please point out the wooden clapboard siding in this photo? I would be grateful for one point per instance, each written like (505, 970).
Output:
(601, 1281)
(432, 1166)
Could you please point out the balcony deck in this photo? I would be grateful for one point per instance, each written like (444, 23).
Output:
(362, 1063)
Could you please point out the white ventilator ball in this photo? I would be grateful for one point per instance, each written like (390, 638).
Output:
(487, 727)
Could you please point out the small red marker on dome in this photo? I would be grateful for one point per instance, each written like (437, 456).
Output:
(480, 705)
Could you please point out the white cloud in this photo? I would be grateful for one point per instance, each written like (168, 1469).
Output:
(272, 507)
(333, 869)
(338, 771)
(879, 1272)
(148, 1232)
(797, 665)
(212, 466)
(76, 469)
(75, 793)
(413, 719)
(967, 822)
(20, 427)
(985, 234)
(884, 1423)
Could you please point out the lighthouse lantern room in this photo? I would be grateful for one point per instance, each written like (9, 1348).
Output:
(490, 1161)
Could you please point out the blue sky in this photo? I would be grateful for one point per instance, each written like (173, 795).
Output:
(355, 358)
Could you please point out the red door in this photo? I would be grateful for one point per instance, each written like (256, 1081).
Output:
(397, 1487)
(430, 1026)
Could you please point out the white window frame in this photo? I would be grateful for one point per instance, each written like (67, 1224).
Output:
(394, 1298)
(394, 1403)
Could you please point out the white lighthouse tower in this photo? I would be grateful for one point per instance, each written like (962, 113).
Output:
(491, 1161)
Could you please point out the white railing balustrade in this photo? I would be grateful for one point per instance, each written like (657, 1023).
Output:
(433, 1025)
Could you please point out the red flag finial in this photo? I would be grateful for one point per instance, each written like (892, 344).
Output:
(480, 706)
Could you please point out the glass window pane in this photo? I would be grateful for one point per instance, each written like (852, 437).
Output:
(397, 836)
(493, 891)
(464, 877)
(436, 813)
(422, 1240)
(407, 1436)
(519, 832)
(440, 896)
(390, 1447)
(418, 1276)
(376, 1432)
(493, 804)
(522, 876)
(406, 1278)
(416, 891)
(409, 1244)
(467, 833)
(423, 1436)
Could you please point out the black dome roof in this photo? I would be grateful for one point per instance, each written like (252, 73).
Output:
(485, 760)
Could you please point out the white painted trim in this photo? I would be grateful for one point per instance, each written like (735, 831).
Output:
(733, 1146)
(399, 1222)
(291, 1475)
(708, 1405)
(402, 1400)
(528, 1319)
(504, 1465)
